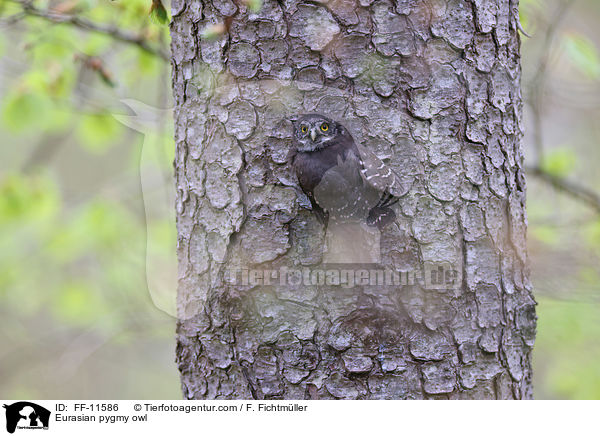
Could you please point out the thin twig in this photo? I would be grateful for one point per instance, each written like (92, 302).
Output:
(82, 23)
(582, 193)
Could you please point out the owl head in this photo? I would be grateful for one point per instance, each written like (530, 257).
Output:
(314, 131)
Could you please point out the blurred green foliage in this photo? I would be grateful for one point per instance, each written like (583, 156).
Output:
(583, 53)
(77, 312)
(78, 320)
(559, 162)
(571, 329)
(564, 235)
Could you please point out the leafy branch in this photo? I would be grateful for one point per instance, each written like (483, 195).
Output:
(82, 23)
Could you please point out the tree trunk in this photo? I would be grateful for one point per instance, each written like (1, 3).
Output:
(433, 88)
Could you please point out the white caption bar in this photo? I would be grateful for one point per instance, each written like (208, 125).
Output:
(464, 418)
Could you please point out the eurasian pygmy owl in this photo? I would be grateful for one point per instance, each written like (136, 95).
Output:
(343, 180)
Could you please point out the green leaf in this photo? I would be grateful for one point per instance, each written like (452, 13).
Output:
(158, 13)
(98, 132)
(26, 199)
(559, 162)
(583, 54)
(26, 110)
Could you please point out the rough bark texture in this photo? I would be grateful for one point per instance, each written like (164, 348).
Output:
(433, 88)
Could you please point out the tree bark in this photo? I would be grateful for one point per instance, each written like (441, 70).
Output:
(433, 88)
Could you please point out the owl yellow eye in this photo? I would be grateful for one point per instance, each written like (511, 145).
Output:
(304, 129)
(324, 127)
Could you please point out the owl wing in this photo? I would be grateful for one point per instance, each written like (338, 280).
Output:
(379, 175)
(342, 190)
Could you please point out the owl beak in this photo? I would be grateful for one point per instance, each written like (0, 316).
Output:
(313, 134)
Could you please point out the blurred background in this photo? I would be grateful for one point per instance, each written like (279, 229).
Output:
(87, 239)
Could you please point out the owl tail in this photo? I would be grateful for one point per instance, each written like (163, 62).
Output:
(380, 216)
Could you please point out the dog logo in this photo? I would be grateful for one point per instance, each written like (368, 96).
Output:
(26, 415)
